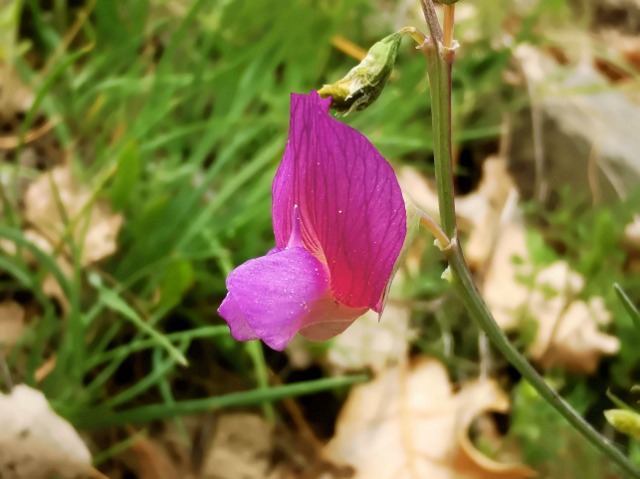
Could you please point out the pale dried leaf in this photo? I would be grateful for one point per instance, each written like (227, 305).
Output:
(15, 96)
(502, 292)
(577, 343)
(36, 443)
(58, 190)
(240, 449)
(567, 330)
(632, 234)
(483, 210)
(408, 423)
(478, 214)
(11, 322)
(45, 369)
(375, 342)
(152, 462)
(421, 192)
(298, 352)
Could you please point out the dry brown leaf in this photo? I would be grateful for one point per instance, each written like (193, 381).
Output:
(632, 234)
(478, 213)
(45, 369)
(577, 343)
(409, 423)
(631, 242)
(416, 186)
(241, 448)
(567, 329)
(373, 343)
(58, 190)
(36, 443)
(483, 210)
(166, 451)
(502, 292)
(11, 322)
(152, 462)
(15, 96)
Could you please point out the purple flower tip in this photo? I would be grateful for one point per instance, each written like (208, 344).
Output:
(339, 221)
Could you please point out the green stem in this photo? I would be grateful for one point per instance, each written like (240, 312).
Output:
(439, 64)
(254, 348)
(463, 281)
(439, 72)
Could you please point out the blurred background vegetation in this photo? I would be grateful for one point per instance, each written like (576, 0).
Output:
(154, 127)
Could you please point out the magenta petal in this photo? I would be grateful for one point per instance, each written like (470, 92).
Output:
(270, 297)
(351, 207)
(328, 319)
(231, 311)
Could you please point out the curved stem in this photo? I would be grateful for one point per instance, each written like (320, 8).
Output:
(463, 281)
(439, 63)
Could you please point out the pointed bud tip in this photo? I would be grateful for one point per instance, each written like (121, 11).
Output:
(627, 422)
(364, 83)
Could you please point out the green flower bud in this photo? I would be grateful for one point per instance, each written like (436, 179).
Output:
(364, 83)
(627, 422)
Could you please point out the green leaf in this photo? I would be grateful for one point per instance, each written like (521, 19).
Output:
(177, 279)
(628, 304)
(114, 302)
(126, 176)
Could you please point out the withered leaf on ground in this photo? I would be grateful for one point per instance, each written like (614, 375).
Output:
(36, 443)
(56, 203)
(409, 423)
(11, 322)
(240, 448)
(375, 342)
(567, 329)
(152, 462)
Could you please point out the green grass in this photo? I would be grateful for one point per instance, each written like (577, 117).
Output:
(178, 119)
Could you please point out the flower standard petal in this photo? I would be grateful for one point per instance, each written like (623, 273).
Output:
(270, 297)
(351, 208)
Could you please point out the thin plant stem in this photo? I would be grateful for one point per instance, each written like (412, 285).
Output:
(254, 348)
(431, 17)
(439, 64)
(448, 23)
(5, 373)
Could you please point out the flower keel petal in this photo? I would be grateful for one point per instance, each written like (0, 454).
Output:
(270, 297)
(231, 311)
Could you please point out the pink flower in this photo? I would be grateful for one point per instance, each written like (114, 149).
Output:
(340, 222)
